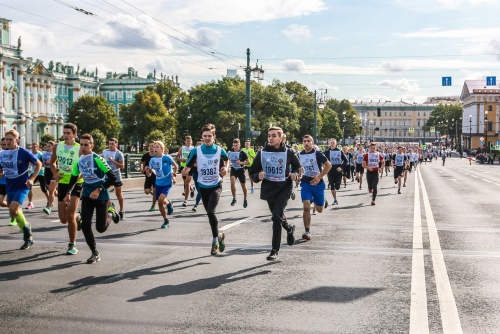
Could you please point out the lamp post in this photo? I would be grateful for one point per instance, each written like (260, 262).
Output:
(258, 73)
(188, 120)
(486, 131)
(470, 132)
(319, 102)
(343, 128)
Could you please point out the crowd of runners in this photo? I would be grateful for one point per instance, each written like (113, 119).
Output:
(79, 179)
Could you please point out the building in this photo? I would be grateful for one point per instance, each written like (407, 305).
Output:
(35, 98)
(481, 115)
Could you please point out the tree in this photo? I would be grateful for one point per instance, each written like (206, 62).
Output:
(146, 114)
(347, 117)
(100, 140)
(94, 113)
(45, 138)
(447, 119)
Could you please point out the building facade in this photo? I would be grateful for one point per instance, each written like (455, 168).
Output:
(35, 98)
(481, 115)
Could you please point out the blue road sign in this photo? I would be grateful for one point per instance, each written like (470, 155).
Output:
(446, 81)
(491, 81)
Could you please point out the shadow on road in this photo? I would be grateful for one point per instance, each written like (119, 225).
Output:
(332, 294)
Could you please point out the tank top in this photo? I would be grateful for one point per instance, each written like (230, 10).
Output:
(66, 157)
(208, 167)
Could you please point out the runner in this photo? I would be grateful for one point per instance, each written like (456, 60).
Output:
(405, 168)
(251, 155)
(149, 182)
(194, 174)
(3, 187)
(162, 165)
(40, 177)
(181, 157)
(338, 161)
(98, 177)
(358, 157)
(211, 160)
(14, 163)
(49, 177)
(238, 160)
(116, 161)
(346, 169)
(371, 162)
(315, 166)
(277, 167)
(398, 164)
(388, 159)
(64, 156)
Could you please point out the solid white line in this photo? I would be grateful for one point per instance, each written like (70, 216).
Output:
(228, 226)
(419, 318)
(449, 313)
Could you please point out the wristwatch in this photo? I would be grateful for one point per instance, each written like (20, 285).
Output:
(101, 188)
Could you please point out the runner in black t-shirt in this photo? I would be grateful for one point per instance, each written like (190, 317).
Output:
(149, 181)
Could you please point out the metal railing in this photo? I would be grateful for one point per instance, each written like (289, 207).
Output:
(132, 165)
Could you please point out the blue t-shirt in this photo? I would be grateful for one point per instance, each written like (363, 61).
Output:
(206, 150)
(15, 165)
(162, 167)
(32, 166)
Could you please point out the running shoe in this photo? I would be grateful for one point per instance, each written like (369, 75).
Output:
(47, 210)
(170, 207)
(192, 192)
(292, 196)
(72, 250)
(396, 182)
(326, 203)
(290, 239)
(373, 202)
(245, 203)
(273, 256)
(335, 202)
(399, 191)
(114, 215)
(12, 222)
(222, 245)
(95, 257)
(195, 207)
(215, 248)
(251, 191)
(306, 236)
(359, 187)
(30, 206)
(165, 223)
(121, 213)
(78, 219)
(185, 203)
(404, 185)
(152, 208)
(27, 244)
(233, 202)
(370, 190)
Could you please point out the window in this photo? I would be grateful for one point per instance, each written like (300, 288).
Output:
(405, 113)
(385, 113)
(424, 114)
(112, 96)
(418, 123)
(129, 95)
(490, 126)
(13, 102)
(418, 114)
(490, 108)
(390, 113)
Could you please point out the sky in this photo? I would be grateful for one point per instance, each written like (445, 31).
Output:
(361, 50)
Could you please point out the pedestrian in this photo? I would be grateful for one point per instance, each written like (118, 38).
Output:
(277, 167)
(371, 162)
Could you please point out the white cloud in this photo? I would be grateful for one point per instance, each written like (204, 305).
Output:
(431, 5)
(207, 36)
(33, 38)
(452, 33)
(297, 33)
(402, 85)
(294, 65)
(390, 66)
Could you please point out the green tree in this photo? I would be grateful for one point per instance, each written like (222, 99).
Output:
(447, 119)
(146, 114)
(45, 138)
(347, 116)
(94, 113)
(176, 101)
(100, 140)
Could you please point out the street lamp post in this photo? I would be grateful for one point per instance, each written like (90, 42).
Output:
(319, 102)
(343, 128)
(470, 132)
(258, 73)
(486, 131)
(188, 120)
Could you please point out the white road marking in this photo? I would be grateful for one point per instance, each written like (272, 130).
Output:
(55, 221)
(228, 226)
(449, 314)
(419, 318)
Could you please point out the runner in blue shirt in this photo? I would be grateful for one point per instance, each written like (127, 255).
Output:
(14, 164)
(3, 187)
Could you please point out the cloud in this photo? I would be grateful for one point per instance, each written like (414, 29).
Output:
(432, 5)
(207, 36)
(402, 85)
(294, 65)
(297, 33)
(123, 31)
(33, 38)
(452, 33)
(392, 66)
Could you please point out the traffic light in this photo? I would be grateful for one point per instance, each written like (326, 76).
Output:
(379, 112)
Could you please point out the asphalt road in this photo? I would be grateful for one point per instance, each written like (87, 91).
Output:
(425, 261)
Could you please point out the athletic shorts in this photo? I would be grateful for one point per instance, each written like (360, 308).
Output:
(346, 171)
(335, 178)
(239, 174)
(360, 169)
(149, 182)
(41, 181)
(62, 191)
(48, 176)
(3, 189)
(18, 195)
(388, 163)
(315, 194)
(162, 190)
(398, 171)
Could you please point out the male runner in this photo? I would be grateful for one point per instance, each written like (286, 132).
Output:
(277, 167)
(49, 177)
(194, 174)
(3, 187)
(116, 161)
(64, 156)
(149, 182)
(98, 177)
(251, 155)
(346, 169)
(372, 161)
(338, 161)
(238, 160)
(358, 158)
(315, 165)
(14, 163)
(40, 177)
(398, 164)
(211, 161)
(181, 157)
